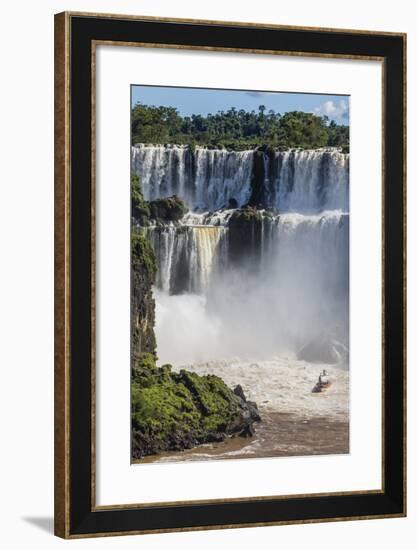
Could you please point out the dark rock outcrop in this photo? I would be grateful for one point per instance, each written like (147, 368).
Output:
(176, 411)
(258, 177)
(325, 348)
(239, 392)
(245, 228)
(139, 207)
(168, 209)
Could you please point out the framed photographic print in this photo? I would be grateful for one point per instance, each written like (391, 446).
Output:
(229, 275)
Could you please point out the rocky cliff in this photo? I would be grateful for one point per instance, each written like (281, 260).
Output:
(142, 310)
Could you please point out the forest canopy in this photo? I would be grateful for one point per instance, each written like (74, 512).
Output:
(237, 129)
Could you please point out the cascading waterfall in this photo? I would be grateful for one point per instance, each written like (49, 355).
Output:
(207, 239)
(312, 273)
(204, 178)
(299, 181)
(185, 256)
(299, 241)
(309, 181)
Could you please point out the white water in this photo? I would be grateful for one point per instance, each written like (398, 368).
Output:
(295, 421)
(307, 181)
(205, 179)
(277, 381)
(310, 181)
(284, 384)
(297, 294)
(186, 257)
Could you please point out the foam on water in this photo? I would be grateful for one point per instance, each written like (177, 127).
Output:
(284, 384)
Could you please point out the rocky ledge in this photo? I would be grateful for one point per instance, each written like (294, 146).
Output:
(176, 411)
(159, 211)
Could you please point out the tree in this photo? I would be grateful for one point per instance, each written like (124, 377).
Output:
(236, 129)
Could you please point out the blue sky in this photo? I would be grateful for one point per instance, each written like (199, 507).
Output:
(202, 101)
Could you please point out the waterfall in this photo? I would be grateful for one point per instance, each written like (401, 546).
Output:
(312, 270)
(297, 181)
(186, 256)
(206, 179)
(207, 240)
(280, 280)
(309, 191)
(310, 181)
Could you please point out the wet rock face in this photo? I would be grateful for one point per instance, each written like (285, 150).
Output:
(143, 265)
(258, 178)
(325, 348)
(143, 271)
(176, 411)
(245, 227)
(160, 211)
(169, 209)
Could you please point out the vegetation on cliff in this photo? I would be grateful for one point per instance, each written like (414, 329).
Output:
(237, 129)
(176, 411)
(167, 209)
(143, 269)
(140, 207)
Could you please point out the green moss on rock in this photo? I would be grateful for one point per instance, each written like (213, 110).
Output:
(143, 269)
(161, 211)
(168, 209)
(140, 208)
(176, 411)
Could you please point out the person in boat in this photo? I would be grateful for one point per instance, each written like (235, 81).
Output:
(323, 378)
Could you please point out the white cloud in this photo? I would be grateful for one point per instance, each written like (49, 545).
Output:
(335, 110)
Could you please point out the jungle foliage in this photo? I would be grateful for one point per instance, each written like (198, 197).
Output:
(236, 129)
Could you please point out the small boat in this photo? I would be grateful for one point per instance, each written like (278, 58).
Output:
(323, 383)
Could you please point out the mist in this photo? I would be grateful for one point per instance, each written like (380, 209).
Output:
(293, 296)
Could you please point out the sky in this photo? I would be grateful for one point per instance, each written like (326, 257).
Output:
(202, 101)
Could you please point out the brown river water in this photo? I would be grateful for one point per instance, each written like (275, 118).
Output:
(295, 421)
